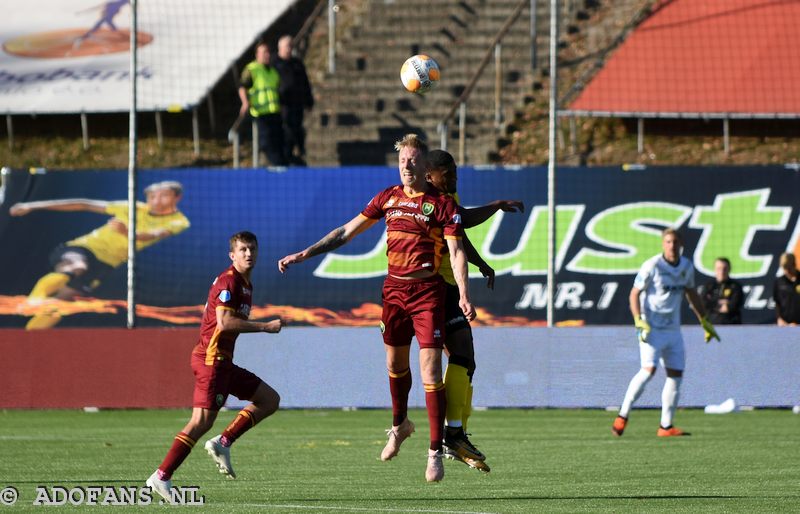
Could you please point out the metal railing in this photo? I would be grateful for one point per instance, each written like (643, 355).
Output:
(460, 104)
(299, 46)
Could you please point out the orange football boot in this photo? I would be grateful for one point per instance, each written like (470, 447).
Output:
(670, 432)
(619, 426)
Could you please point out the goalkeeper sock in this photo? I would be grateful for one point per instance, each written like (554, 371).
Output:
(436, 403)
(456, 383)
(181, 448)
(635, 390)
(669, 400)
(399, 387)
(48, 285)
(243, 422)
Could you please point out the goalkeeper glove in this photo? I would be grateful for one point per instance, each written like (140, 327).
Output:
(708, 330)
(642, 329)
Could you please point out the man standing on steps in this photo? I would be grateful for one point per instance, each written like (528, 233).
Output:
(259, 93)
(296, 97)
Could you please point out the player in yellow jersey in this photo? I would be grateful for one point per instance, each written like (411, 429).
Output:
(442, 174)
(81, 263)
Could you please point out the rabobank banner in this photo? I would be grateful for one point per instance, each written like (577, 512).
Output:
(63, 252)
(65, 56)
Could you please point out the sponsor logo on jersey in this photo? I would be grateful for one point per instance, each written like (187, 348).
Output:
(382, 327)
(457, 218)
(224, 296)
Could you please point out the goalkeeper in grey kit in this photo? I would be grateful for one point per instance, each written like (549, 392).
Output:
(663, 279)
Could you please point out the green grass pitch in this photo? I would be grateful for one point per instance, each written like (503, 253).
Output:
(327, 461)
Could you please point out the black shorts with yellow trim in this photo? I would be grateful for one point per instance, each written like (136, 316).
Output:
(453, 315)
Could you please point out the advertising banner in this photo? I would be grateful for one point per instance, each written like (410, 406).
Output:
(68, 56)
(608, 223)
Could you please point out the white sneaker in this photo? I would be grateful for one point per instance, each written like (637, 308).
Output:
(396, 437)
(162, 487)
(434, 472)
(221, 456)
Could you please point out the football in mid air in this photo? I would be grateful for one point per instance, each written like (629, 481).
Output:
(419, 74)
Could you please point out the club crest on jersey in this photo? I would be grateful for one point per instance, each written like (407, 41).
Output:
(224, 296)
(427, 208)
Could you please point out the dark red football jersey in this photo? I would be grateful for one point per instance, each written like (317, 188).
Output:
(416, 227)
(230, 291)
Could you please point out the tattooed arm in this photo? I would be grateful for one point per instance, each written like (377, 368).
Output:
(336, 238)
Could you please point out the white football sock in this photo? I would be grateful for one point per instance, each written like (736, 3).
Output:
(635, 390)
(669, 400)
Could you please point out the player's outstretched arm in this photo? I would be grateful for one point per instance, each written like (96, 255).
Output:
(477, 215)
(228, 322)
(475, 258)
(699, 310)
(458, 260)
(335, 238)
(73, 204)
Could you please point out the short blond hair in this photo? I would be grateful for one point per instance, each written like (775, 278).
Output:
(412, 141)
(671, 231)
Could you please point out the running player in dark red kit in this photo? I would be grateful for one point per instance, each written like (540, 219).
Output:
(422, 226)
(216, 376)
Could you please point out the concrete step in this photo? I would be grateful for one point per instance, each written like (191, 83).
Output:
(362, 109)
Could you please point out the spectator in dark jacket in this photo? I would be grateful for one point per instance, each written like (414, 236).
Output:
(786, 293)
(296, 97)
(723, 296)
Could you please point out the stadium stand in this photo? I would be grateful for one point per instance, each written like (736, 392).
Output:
(362, 108)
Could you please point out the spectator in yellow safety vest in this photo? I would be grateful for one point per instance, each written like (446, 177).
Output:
(258, 91)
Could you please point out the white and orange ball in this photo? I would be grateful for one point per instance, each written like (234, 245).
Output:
(419, 74)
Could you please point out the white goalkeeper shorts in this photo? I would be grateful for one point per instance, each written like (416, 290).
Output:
(663, 345)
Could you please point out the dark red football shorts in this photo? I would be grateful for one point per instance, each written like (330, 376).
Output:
(413, 307)
(213, 384)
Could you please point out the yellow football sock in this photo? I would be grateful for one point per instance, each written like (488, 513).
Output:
(456, 383)
(43, 320)
(48, 285)
(467, 411)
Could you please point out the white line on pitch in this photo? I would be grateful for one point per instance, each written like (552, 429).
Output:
(365, 509)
